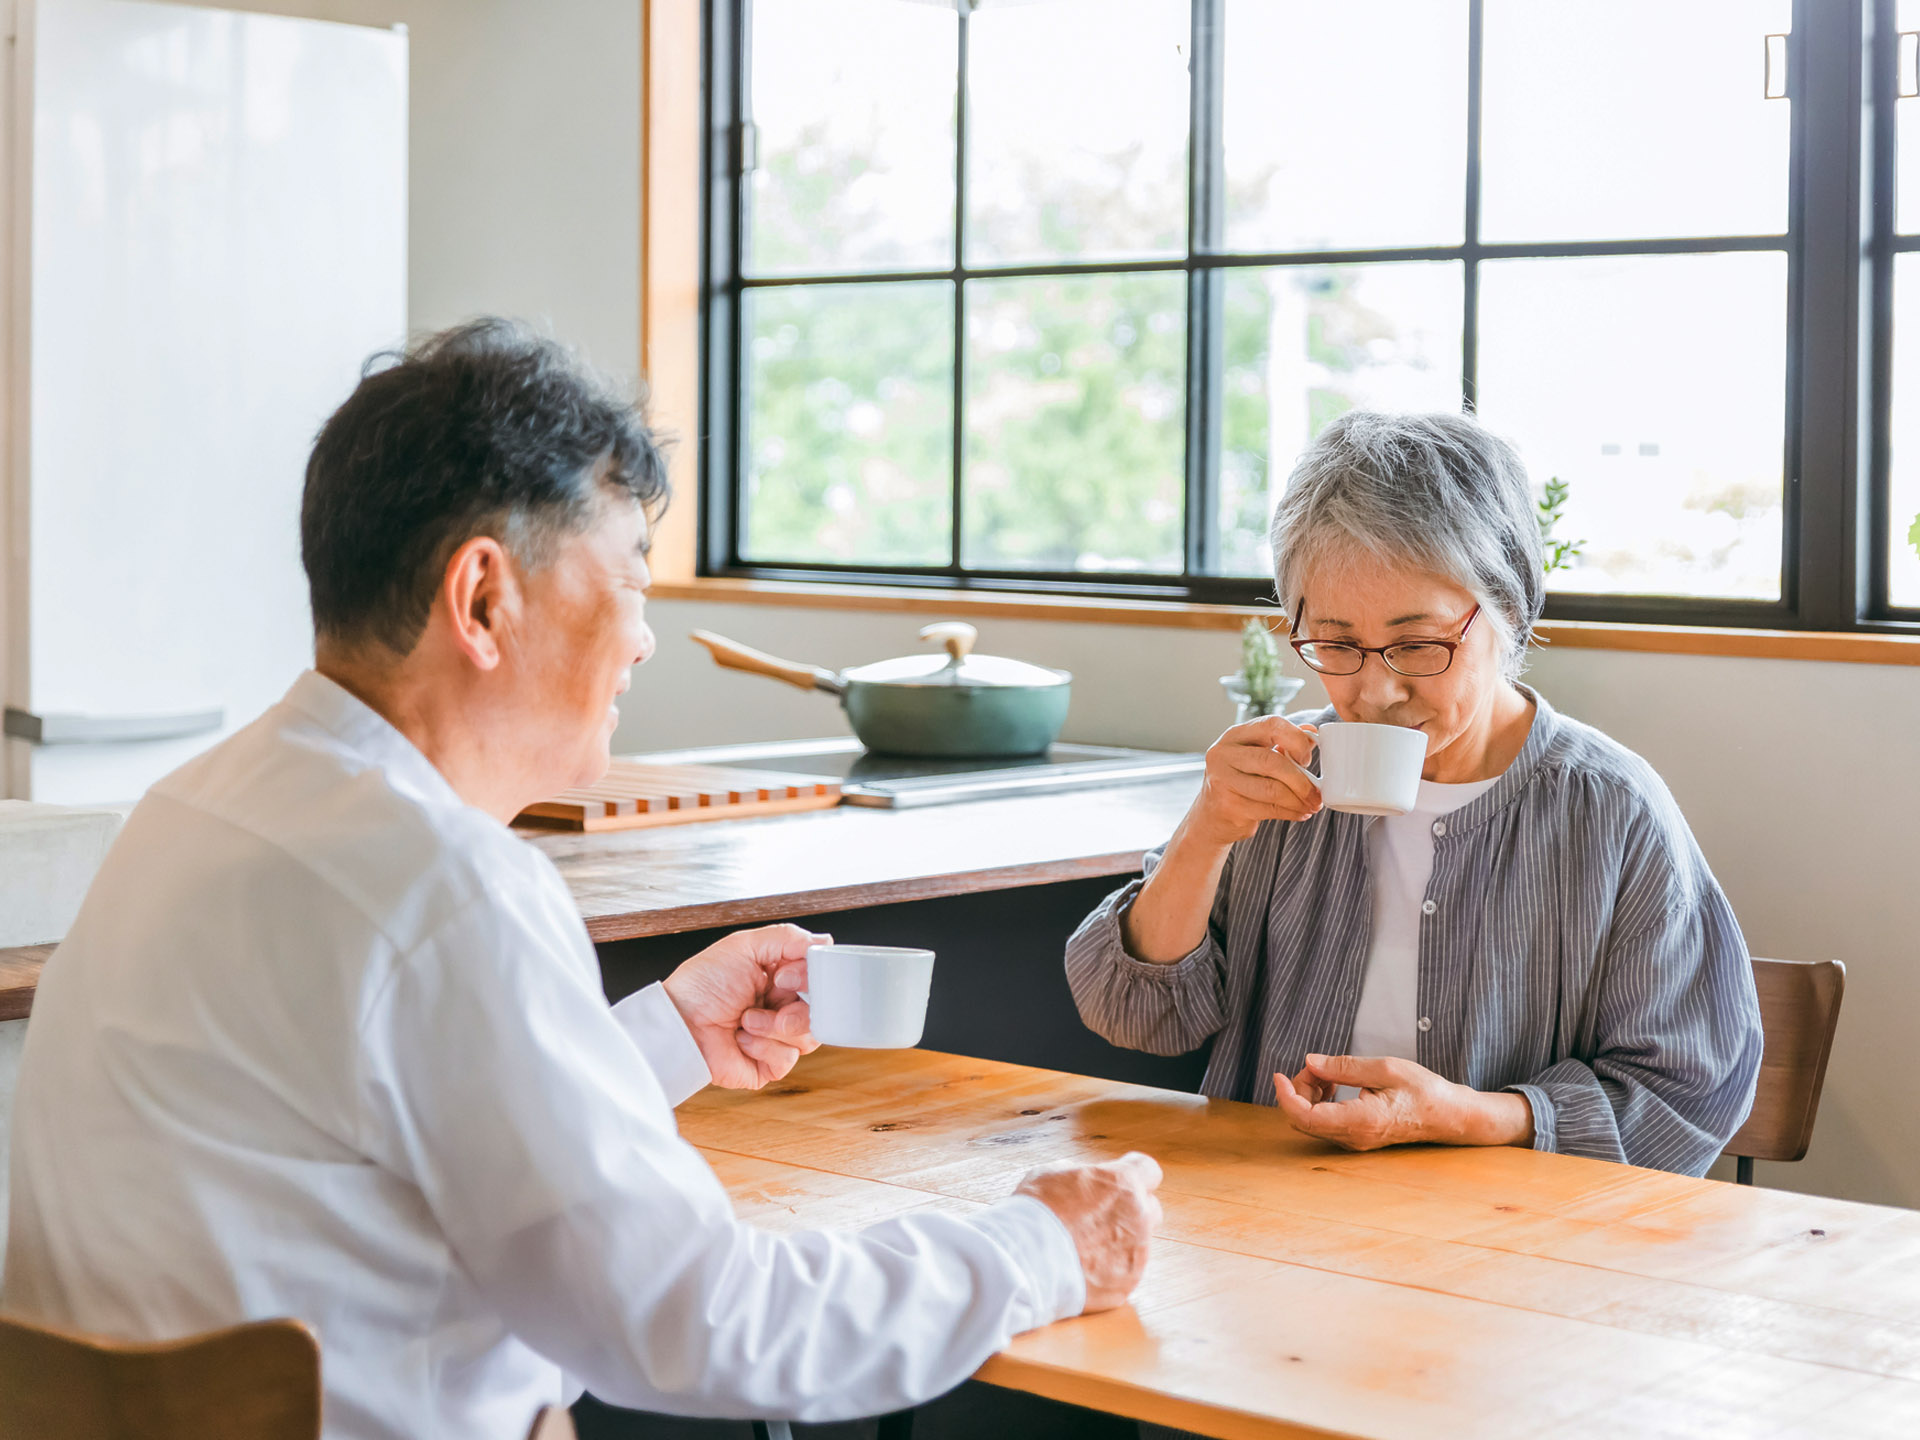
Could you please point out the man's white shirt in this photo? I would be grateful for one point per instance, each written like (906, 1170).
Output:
(327, 1042)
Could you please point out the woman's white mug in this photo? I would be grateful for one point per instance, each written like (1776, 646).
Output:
(870, 997)
(1370, 769)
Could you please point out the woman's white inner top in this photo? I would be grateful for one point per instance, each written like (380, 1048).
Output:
(1400, 856)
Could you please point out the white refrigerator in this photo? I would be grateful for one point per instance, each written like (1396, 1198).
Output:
(206, 239)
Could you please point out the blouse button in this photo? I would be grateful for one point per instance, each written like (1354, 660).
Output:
(1428, 908)
(1425, 1024)
(1439, 827)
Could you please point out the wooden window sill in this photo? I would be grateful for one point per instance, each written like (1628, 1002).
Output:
(1851, 647)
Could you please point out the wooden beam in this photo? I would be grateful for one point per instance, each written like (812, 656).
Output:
(670, 262)
(1848, 647)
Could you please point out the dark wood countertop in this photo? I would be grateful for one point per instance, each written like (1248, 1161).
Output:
(630, 883)
(19, 975)
(748, 872)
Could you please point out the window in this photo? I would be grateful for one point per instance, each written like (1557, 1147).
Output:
(1048, 294)
(1897, 545)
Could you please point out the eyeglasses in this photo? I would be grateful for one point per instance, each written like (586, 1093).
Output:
(1415, 659)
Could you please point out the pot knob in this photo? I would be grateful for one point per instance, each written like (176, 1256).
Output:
(956, 635)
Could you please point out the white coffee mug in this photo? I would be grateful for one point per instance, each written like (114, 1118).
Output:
(872, 997)
(1370, 769)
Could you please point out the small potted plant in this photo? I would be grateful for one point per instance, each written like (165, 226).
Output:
(1560, 554)
(1259, 688)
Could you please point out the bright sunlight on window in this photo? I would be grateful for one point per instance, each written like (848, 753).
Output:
(1055, 291)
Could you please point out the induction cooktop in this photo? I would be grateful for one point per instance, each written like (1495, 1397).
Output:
(904, 781)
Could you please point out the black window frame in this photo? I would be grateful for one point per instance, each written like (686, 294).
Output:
(1880, 143)
(1841, 60)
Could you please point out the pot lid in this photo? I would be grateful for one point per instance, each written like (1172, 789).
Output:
(959, 666)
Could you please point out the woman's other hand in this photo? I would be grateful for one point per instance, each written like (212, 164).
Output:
(1312, 1088)
(1255, 772)
(1399, 1103)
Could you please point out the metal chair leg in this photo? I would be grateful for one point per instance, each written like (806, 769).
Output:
(897, 1426)
(891, 1427)
(1743, 1169)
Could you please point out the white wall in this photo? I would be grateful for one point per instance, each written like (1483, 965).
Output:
(1802, 780)
(524, 160)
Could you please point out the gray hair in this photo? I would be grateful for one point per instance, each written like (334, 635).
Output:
(1438, 493)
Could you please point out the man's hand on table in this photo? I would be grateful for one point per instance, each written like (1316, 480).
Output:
(1399, 1103)
(741, 1000)
(1111, 1212)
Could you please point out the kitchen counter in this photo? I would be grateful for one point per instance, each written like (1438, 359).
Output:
(636, 883)
(19, 975)
(632, 883)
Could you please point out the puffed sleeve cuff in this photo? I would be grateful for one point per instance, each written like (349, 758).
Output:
(1165, 972)
(1038, 1242)
(1543, 1115)
(653, 1022)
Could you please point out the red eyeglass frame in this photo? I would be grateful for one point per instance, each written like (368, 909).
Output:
(1452, 647)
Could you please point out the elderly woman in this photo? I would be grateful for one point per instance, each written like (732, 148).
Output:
(1536, 955)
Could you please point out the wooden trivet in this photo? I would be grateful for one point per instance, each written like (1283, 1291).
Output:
(633, 794)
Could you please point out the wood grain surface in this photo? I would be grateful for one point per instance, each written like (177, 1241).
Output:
(1297, 1290)
(748, 872)
(1799, 1008)
(639, 794)
(251, 1382)
(19, 976)
(1839, 645)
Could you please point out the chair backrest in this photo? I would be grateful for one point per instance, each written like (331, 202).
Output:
(253, 1382)
(1799, 1007)
(552, 1423)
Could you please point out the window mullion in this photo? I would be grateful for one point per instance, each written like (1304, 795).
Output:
(956, 477)
(1828, 348)
(1880, 137)
(721, 399)
(1206, 234)
(1470, 242)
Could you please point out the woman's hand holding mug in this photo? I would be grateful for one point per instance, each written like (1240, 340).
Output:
(1255, 772)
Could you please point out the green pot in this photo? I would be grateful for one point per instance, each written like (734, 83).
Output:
(956, 705)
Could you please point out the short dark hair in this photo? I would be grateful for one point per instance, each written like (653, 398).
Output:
(485, 429)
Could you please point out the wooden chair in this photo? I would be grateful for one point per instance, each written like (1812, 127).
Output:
(1799, 1007)
(253, 1382)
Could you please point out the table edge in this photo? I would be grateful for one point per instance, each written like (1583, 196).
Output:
(762, 909)
(1115, 1397)
(20, 967)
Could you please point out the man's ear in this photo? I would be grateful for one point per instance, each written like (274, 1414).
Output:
(480, 590)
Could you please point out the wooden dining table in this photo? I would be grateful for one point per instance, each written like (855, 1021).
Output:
(1415, 1293)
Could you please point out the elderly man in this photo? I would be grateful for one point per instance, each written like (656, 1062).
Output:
(328, 1041)
(1537, 954)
